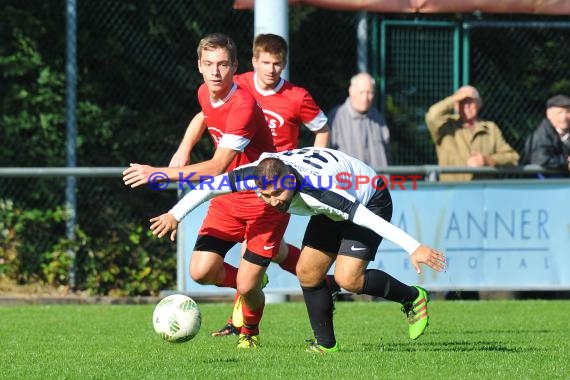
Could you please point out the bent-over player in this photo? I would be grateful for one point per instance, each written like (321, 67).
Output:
(347, 225)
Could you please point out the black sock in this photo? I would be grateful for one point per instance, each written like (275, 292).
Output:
(320, 308)
(380, 284)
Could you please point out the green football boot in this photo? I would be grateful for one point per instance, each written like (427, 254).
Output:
(316, 348)
(418, 318)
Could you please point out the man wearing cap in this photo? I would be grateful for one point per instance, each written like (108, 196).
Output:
(461, 139)
(549, 144)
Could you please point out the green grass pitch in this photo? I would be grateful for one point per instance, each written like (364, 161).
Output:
(476, 340)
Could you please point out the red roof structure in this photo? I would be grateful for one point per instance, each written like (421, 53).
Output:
(543, 7)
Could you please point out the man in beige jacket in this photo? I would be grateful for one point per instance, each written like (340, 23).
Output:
(461, 139)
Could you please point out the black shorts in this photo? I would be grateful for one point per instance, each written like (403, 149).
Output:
(347, 238)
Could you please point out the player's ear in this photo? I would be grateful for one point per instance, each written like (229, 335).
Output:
(200, 67)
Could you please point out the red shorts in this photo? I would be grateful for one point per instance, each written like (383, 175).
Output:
(243, 216)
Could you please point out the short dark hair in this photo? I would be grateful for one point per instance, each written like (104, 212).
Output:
(270, 168)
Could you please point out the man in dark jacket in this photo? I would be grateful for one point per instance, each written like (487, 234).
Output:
(549, 144)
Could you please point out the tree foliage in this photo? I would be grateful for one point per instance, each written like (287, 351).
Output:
(136, 92)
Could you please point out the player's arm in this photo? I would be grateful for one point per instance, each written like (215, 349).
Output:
(337, 203)
(233, 142)
(193, 133)
(136, 174)
(204, 191)
(418, 253)
(313, 118)
(236, 138)
(322, 137)
(240, 179)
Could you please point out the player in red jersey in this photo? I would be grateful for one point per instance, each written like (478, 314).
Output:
(286, 107)
(240, 134)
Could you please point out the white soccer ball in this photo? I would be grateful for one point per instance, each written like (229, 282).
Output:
(177, 318)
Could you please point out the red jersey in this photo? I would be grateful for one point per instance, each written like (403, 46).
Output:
(236, 122)
(286, 107)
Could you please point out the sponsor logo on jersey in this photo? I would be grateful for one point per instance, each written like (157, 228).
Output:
(216, 134)
(274, 120)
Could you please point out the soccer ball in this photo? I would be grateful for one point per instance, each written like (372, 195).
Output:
(177, 318)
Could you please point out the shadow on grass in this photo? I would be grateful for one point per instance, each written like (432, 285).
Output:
(497, 331)
(220, 360)
(459, 346)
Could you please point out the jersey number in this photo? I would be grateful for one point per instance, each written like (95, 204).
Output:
(311, 157)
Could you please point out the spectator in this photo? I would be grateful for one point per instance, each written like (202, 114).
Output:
(358, 128)
(462, 139)
(549, 144)
(549, 147)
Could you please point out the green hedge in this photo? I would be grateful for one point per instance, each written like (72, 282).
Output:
(127, 260)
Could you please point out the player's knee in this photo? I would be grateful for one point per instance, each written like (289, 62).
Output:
(309, 278)
(245, 290)
(201, 276)
(303, 274)
(350, 284)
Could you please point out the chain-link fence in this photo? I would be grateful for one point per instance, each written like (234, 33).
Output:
(526, 63)
(136, 92)
(137, 82)
(419, 60)
(516, 65)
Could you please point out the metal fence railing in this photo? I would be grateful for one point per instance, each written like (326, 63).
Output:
(137, 81)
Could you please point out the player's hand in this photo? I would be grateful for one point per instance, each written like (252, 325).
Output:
(178, 160)
(137, 174)
(162, 224)
(430, 257)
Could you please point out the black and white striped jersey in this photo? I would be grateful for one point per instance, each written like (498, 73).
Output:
(328, 182)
